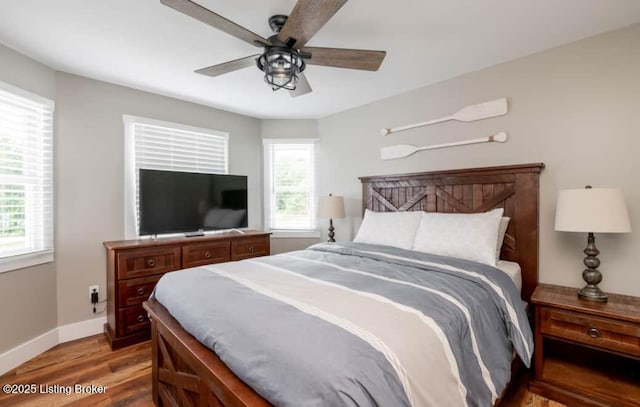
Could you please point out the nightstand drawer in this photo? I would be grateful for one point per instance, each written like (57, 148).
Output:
(608, 334)
(207, 253)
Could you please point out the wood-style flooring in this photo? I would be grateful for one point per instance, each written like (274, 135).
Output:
(126, 374)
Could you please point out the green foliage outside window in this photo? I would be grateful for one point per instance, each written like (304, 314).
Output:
(12, 197)
(12, 215)
(292, 180)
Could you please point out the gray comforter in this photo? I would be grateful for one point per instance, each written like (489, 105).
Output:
(356, 325)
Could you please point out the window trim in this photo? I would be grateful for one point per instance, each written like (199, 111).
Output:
(130, 230)
(34, 258)
(286, 233)
(25, 260)
(7, 87)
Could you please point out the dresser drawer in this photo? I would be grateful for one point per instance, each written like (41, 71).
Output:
(205, 253)
(618, 336)
(250, 247)
(133, 319)
(148, 261)
(136, 290)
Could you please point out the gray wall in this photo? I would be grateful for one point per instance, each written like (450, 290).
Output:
(90, 174)
(575, 108)
(27, 296)
(282, 128)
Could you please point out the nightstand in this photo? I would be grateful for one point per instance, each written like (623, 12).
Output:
(586, 353)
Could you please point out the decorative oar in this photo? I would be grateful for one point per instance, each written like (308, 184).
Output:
(405, 150)
(492, 108)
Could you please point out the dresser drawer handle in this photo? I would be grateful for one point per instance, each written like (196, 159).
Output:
(151, 263)
(140, 291)
(207, 254)
(594, 333)
(250, 249)
(140, 318)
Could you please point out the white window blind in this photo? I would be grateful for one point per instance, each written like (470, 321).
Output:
(26, 173)
(165, 148)
(157, 145)
(290, 184)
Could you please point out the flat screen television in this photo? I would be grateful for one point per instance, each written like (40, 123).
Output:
(175, 202)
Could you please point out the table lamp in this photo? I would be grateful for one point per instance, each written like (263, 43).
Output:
(592, 210)
(331, 207)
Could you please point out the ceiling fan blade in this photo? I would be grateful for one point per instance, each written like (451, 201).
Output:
(230, 66)
(345, 58)
(302, 88)
(307, 17)
(215, 20)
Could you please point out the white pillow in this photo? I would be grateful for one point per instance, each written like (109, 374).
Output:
(470, 236)
(502, 229)
(397, 229)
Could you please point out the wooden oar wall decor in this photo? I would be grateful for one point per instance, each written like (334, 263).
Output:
(405, 150)
(485, 110)
(492, 108)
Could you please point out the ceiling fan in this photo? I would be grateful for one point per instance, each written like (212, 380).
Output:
(285, 56)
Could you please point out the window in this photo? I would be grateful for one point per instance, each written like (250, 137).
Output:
(26, 193)
(290, 185)
(158, 145)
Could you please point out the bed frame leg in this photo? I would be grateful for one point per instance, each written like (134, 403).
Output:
(155, 362)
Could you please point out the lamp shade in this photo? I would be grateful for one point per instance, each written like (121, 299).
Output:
(597, 210)
(331, 207)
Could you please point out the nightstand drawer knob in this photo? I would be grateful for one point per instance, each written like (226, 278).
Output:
(140, 291)
(594, 333)
(207, 255)
(140, 318)
(151, 263)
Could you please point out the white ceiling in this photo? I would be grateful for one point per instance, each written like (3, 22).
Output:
(148, 46)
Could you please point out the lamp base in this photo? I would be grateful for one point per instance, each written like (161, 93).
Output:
(592, 293)
(591, 274)
(331, 234)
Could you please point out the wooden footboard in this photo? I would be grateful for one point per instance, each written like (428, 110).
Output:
(186, 373)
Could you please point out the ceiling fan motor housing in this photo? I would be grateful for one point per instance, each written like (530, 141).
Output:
(277, 22)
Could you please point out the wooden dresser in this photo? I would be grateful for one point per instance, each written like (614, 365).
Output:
(586, 353)
(135, 266)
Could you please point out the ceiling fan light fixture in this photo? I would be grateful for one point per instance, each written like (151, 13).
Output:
(281, 67)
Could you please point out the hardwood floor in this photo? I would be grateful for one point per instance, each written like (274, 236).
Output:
(126, 375)
(89, 361)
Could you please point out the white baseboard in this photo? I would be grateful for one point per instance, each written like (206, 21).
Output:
(32, 348)
(81, 329)
(28, 350)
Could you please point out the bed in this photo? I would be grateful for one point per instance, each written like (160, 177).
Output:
(185, 372)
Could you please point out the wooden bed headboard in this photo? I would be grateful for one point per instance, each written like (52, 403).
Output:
(512, 187)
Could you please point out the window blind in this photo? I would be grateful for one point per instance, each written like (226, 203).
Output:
(158, 145)
(164, 148)
(26, 175)
(290, 184)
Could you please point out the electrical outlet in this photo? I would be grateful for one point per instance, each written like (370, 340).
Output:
(94, 291)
